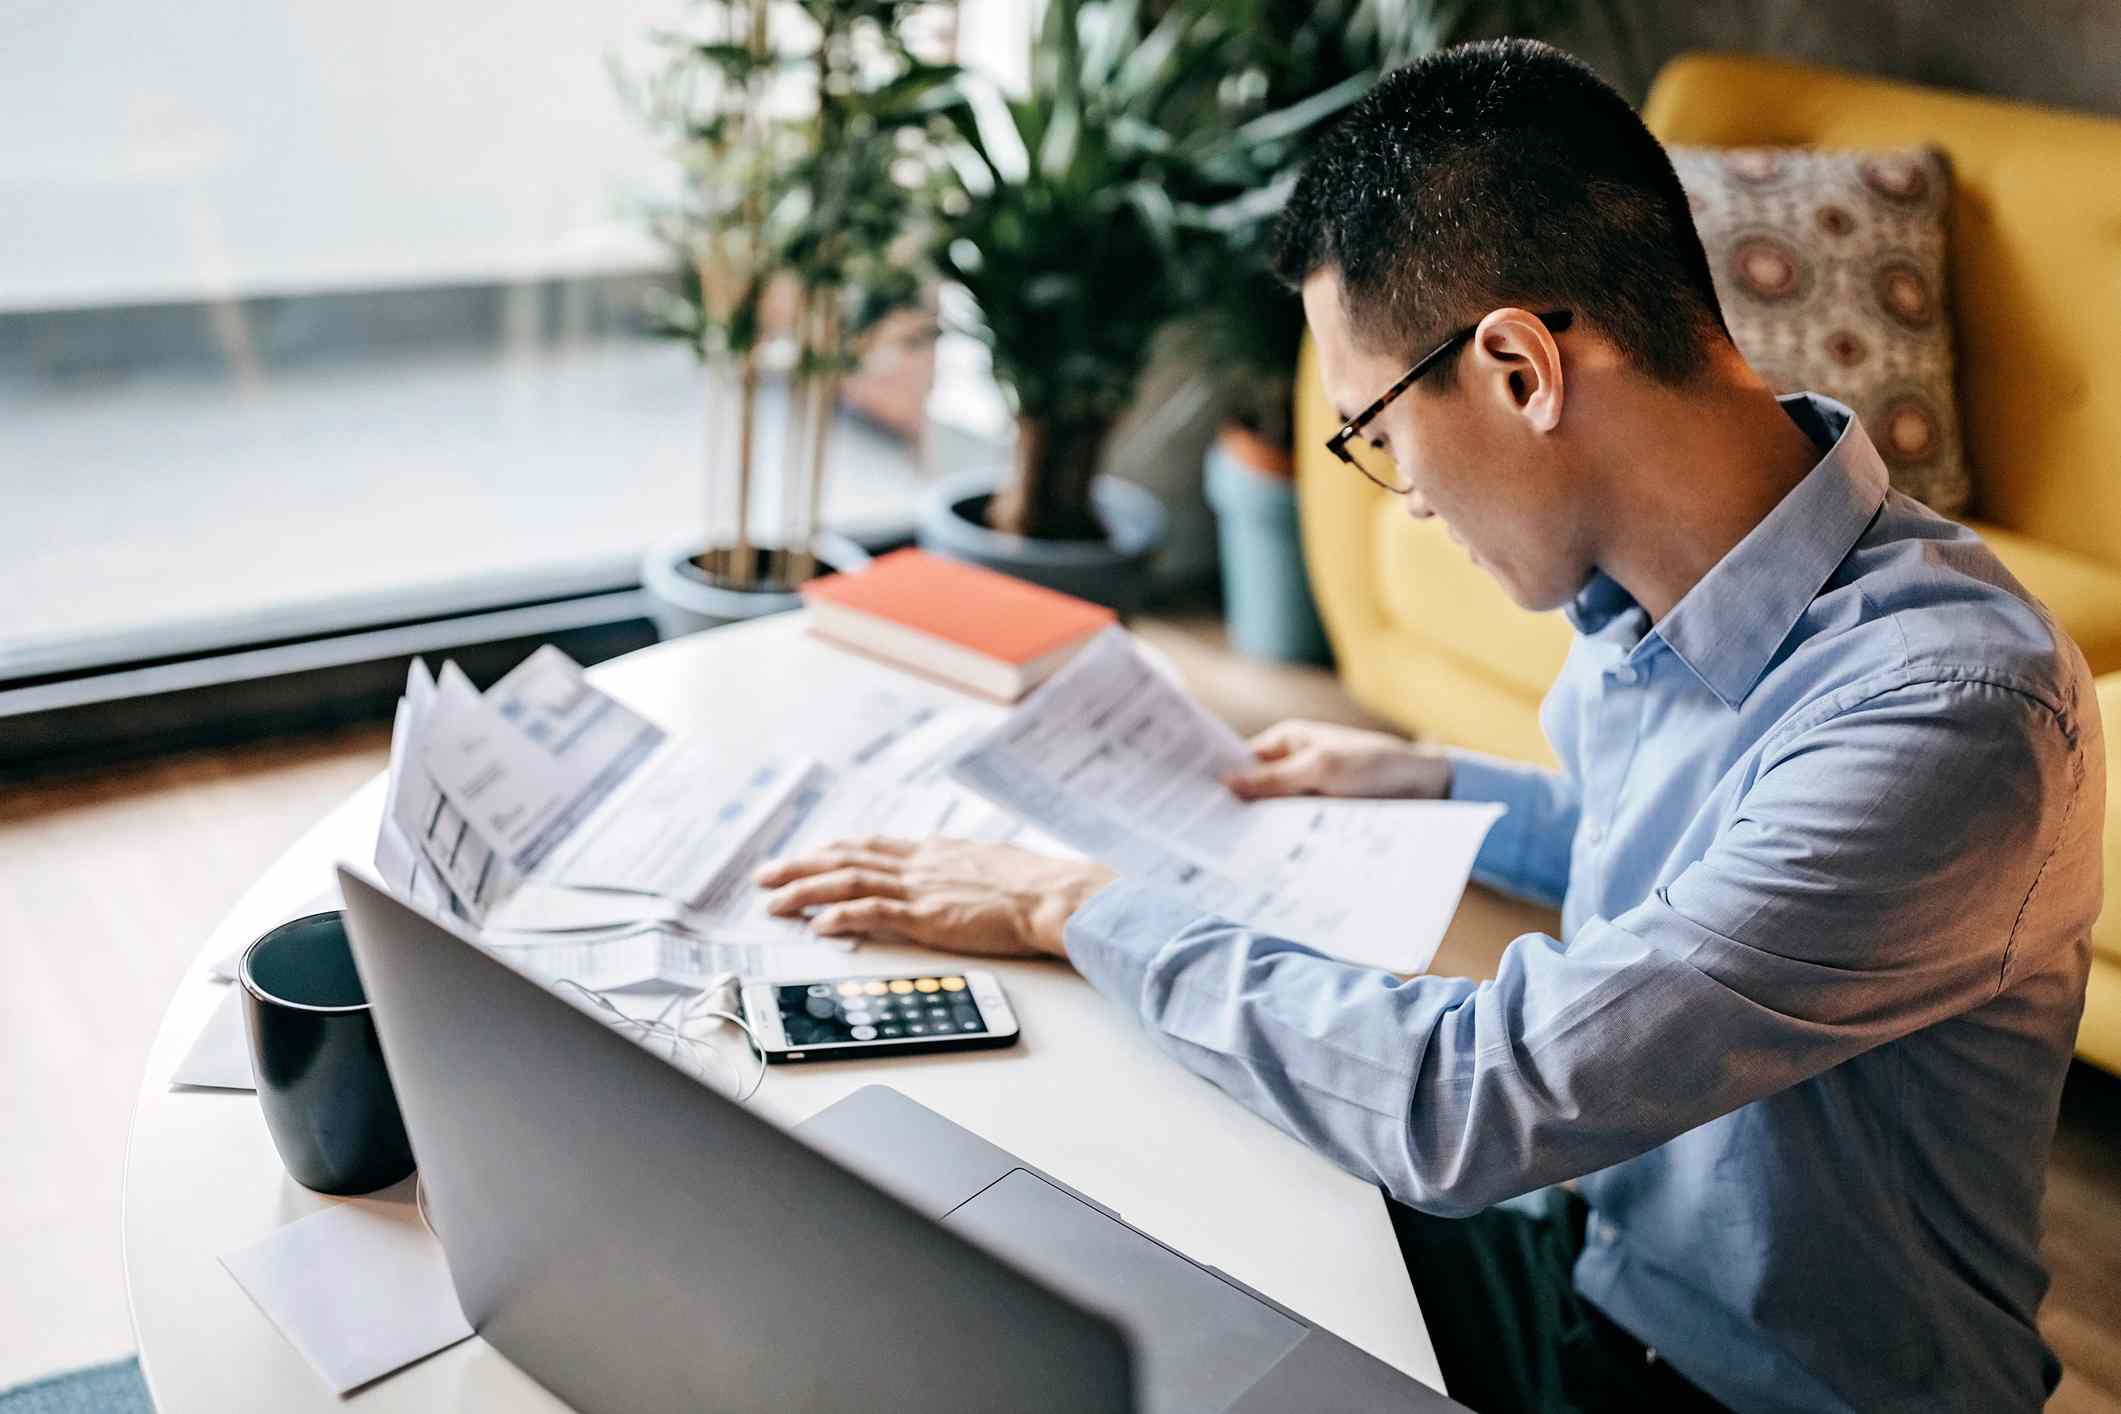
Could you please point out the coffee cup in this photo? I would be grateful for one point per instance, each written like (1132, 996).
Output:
(319, 1066)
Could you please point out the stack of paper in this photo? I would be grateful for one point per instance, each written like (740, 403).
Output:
(583, 842)
(587, 843)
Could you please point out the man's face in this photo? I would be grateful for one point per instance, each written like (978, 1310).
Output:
(1499, 485)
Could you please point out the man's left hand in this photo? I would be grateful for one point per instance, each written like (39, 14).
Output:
(989, 900)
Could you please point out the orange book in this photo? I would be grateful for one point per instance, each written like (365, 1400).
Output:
(977, 628)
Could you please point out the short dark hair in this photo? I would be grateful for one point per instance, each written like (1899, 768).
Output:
(1503, 172)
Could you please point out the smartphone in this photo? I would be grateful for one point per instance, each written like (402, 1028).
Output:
(837, 1018)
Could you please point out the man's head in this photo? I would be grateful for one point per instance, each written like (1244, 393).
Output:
(1478, 187)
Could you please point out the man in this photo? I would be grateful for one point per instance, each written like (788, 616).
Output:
(1825, 835)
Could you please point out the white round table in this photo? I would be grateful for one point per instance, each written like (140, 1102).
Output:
(1084, 1095)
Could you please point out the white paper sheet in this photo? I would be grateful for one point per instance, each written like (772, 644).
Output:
(671, 956)
(535, 756)
(902, 789)
(452, 869)
(361, 1289)
(1114, 758)
(551, 909)
(675, 828)
(399, 859)
(220, 1058)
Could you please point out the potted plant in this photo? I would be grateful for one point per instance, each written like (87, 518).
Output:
(802, 133)
(1299, 56)
(1249, 335)
(1076, 227)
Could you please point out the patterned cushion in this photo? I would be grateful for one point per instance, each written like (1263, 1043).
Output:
(1830, 267)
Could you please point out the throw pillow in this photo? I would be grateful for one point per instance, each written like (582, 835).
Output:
(1831, 270)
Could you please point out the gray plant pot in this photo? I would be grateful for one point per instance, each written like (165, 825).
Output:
(681, 600)
(1113, 571)
(1266, 593)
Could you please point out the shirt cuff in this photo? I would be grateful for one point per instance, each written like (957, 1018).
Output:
(1114, 937)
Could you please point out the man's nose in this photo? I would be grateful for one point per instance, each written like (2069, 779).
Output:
(1416, 506)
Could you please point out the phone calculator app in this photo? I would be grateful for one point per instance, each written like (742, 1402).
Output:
(879, 1009)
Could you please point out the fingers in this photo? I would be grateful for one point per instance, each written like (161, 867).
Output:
(848, 854)
(882, 844)
(1276, 741)
(1283, 769)
(866, 918)
(1289, 776)
(834, 886)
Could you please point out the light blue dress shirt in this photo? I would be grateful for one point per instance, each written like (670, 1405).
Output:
(1826, 843)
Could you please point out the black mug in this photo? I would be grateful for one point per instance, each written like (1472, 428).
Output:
(321, 1081)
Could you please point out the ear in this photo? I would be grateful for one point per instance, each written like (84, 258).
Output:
(1516, 360)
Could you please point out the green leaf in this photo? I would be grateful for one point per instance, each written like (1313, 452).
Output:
(1116, 27)
(1063, 138)
(1302, 116)
(1139, 71)
(1253, 208)
(998, 139)
(1159, 216)
(924, 89)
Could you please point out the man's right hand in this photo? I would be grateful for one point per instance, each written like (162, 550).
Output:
(1320, 758)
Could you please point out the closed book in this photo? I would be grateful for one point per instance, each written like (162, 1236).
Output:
(982, 630)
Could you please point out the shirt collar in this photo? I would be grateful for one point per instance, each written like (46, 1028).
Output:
(1727, 627)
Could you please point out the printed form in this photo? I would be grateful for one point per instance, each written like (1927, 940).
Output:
(1114, 758)
(644, 845)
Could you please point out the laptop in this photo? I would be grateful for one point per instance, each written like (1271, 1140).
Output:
(635, 1241)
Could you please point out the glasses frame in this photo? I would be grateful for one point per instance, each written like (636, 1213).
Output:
(1556, 320)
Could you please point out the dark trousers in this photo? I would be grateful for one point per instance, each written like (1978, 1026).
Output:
(1511, 1334)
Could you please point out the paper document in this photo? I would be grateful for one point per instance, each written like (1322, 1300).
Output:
(666, 954)
(901, 789)
(674, 831)
(360, 1289)
(1114, 758)
(583, 844)
(535, 756)
(220, 1058)
(426, 851)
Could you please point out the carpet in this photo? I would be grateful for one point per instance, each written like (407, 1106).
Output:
(116, 1388)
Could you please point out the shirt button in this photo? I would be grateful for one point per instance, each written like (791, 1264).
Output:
(1626, 674)
(1594, 834)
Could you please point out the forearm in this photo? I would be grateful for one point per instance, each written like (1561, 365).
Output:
(1451, 1094)
(1329, 1053)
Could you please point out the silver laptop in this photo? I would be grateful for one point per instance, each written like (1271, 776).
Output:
(636, 1242)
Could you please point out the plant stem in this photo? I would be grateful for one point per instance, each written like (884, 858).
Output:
(826, 392)
(1048, 495)
(744, 567)
(742, 562)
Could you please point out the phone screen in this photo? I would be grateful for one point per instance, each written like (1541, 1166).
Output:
(858, 1009)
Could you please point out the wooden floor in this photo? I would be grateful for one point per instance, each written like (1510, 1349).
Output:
(109, 884)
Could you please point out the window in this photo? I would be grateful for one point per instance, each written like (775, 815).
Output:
(315, 319)
(309, 312)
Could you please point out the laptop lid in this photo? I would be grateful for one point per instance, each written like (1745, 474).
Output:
(636, 1242)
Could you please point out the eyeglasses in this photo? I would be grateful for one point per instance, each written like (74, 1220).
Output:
(1367, 455)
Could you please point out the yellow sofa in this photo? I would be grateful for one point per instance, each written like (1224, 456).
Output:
(1427, 640)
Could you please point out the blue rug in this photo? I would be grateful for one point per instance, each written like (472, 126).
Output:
(115, 1388)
